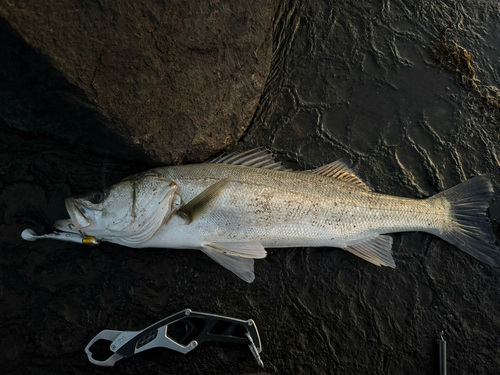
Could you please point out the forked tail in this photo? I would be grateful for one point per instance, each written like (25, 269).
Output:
(468, 227)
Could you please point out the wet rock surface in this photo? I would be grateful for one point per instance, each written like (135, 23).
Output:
(348, 79)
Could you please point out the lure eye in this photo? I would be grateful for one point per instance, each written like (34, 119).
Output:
(97, 197)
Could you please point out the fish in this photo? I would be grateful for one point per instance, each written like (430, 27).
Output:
(235, 206)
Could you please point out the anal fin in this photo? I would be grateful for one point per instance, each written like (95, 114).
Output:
(376, 250)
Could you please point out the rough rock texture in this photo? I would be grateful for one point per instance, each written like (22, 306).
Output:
(179, 78)
(350, 78)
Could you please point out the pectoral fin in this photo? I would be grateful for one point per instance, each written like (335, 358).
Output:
(202, 202)
(239, 249)
(375, 250)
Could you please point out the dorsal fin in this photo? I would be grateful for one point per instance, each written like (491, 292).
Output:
(257, 158)
(341, 169)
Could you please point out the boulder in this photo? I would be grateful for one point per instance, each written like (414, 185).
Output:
(181, 80)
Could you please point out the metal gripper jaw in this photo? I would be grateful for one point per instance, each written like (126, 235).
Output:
(181, 332)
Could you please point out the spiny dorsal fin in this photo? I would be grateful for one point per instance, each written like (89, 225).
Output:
(201, 203)
(376, 250)
(241, 267)
(341, 169)
(257, 158)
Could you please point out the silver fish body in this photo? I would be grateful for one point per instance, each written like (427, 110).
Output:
(288, 209)
(232, 211)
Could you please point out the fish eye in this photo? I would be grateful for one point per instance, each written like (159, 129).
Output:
(96, 197)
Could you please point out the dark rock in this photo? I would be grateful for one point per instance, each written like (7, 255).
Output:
(180, 80)
(38, 102)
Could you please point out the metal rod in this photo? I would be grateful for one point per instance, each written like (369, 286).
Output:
(442, 355)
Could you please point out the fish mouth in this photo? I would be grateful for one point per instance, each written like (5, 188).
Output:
(81, 216)
(65, 225)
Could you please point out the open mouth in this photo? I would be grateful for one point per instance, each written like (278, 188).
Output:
(65, 225)
(82, 217)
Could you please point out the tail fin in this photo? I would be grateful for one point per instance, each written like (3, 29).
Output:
(469, 228)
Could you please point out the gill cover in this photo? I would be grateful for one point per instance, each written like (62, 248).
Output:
(154, 201)
(132, 211)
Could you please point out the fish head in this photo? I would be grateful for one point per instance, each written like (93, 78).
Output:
(136, 206)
